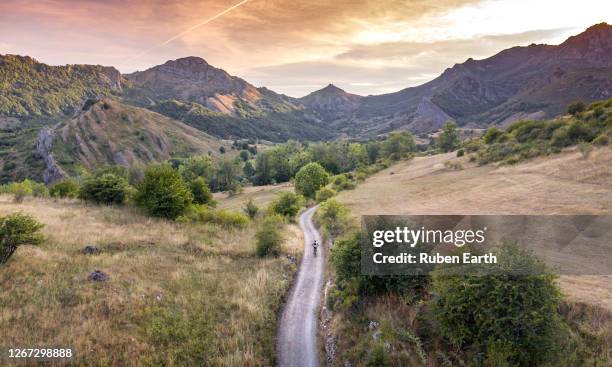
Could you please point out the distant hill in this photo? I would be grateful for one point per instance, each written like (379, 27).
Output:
(105, 132)
(32, 89)
(537, 81)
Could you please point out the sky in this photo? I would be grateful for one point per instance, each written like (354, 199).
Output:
(292, 46)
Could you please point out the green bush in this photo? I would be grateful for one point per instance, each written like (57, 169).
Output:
(493, 135)
(460, 153)
(342, 182)
(449, 138)
(310, 178)
(163, 193)
(15, 230)
(602, 140)
(201, 192)
(269, 237)
(66, 188)
(251, 209)
(333, 218)
(512, 304)
(287, 204)
(325, 193)
(224, 218)
(106, 188)
(576, 108)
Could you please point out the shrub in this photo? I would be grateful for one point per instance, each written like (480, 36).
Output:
(576, 108)
(269, 238)
(16, 230)
(106, 188)
(325, 193)
(602, 140)
(514, 305)
(20, 190)
(201, 192)
(342, 182)
(66, 188)
(460, 153)
(287, 204)
(333, 218)
(163, 193)
(453, 165)
(251, 209)
(585, 149)
(224, 218)
(493, 135)
(310, 178)
(39, 190)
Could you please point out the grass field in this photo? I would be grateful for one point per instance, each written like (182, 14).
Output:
(565, 183)
(261, 196)
(176, 293)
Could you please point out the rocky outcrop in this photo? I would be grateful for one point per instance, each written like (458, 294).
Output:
(53, 172)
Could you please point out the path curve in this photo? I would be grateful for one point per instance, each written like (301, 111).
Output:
(297, 334)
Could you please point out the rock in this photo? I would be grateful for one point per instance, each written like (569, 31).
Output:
(373, 325)
(377, 334)
(292, 259)
(90, 250)
(98, 276)
(53, 172)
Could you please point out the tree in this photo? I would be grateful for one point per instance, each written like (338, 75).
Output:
(287, 204)
(448, 139)
(333, 218)
(398, 144)
(66, 188)
(201, 192)
(269, 238)
(16, 230)
(163, 193)
(227, 176)
(105, 188)
(248, 170)
(310, 179)
(512, 305)
(244, 155)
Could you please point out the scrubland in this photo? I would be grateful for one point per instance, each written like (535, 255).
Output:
(177, 293)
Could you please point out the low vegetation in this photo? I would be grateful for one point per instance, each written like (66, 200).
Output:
(527, 139)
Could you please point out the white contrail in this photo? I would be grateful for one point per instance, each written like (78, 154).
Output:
(196, 26)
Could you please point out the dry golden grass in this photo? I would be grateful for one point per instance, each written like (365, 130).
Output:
(261, 196)
(558, 184)
(174, 290)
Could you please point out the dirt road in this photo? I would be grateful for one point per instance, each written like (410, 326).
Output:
(297, 335)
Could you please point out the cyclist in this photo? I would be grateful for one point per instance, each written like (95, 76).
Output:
(315, 245)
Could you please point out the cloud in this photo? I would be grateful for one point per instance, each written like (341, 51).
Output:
(388, 67)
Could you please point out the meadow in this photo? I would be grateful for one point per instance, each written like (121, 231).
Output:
(176, 294)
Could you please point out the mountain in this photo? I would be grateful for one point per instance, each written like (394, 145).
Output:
(192, 79)
(108, 132)
(537, 81)
(331, 102)
(29, 89)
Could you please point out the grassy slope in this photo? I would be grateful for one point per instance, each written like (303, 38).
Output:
(558, 184)
(109, 128)
(174, 290)
(261, 196)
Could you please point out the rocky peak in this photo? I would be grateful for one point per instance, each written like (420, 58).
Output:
(592, 47)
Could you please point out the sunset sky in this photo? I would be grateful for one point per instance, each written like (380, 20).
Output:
(292, 47)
